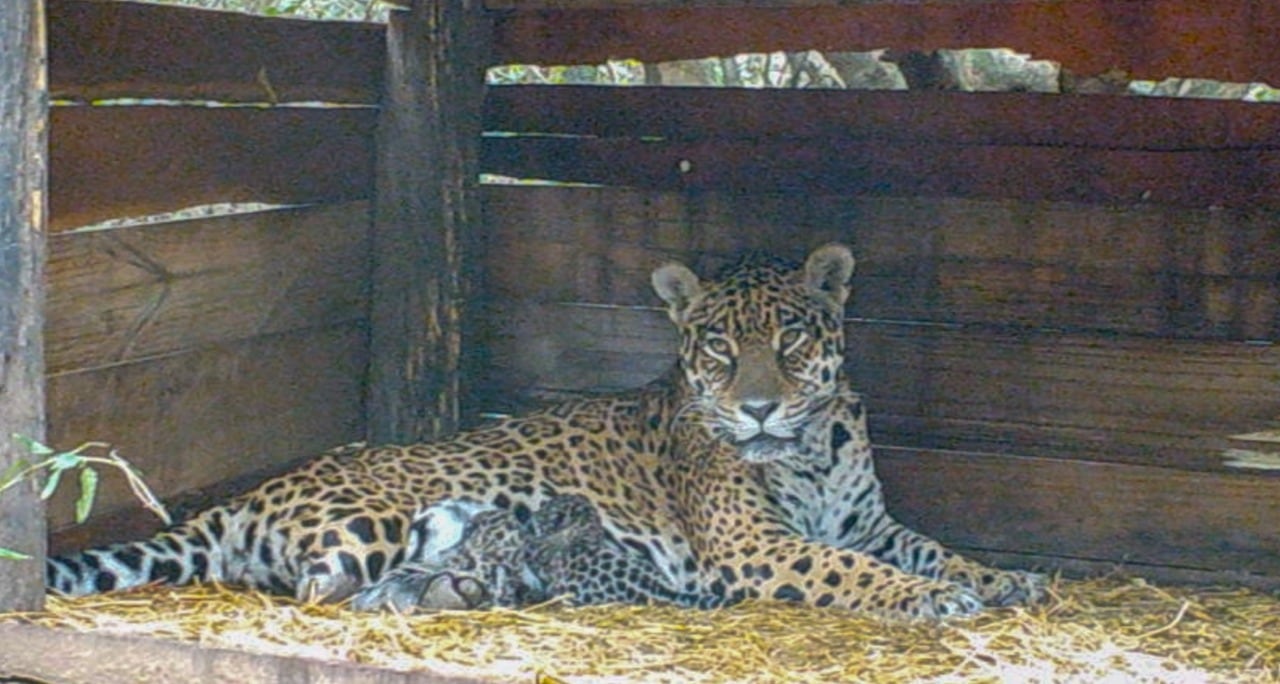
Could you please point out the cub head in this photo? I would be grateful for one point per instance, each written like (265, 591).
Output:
(761, 347)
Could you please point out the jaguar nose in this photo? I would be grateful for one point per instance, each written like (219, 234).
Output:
(759, 410)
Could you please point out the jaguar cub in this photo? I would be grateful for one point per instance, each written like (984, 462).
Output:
(495, 559)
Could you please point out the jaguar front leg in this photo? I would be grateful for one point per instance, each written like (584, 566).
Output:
(792, 569)
(913, 552)
(852, 515)
(746, 549)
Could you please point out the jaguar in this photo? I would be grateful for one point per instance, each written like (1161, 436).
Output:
(745, 471)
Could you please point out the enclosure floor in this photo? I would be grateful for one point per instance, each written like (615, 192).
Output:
(1102, 630)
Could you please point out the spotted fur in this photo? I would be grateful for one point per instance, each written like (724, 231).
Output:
(745, 472)
(460, 556)
(494, 559)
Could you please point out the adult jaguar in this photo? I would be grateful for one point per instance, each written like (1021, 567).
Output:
(743, 472)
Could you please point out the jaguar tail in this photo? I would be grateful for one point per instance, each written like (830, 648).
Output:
(187, 552)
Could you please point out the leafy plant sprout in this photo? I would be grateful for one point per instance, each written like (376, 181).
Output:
(83, 458)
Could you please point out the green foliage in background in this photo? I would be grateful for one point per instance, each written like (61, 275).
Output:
(340, 10)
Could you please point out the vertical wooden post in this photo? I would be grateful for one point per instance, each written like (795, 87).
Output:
(23, 116)
(426, 212)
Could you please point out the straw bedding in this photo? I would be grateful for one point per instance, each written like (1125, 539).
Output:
(1102, 630)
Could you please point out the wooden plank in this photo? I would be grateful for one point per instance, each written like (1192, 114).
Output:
(1140, 270)
(23, 117)
(1226, 178)
(94, 658)
(1093, 511)
(1161, 402)
(1111, 123)
(102, 50)
(191, 420)
(427, 207)
(1151, 39)
(129, 293)
(1087, 568)
(113, 162)
(532, 5)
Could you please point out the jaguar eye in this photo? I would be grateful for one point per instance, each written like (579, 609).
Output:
(719, 348)
(790, 340)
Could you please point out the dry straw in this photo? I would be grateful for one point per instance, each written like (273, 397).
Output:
(1104, 630)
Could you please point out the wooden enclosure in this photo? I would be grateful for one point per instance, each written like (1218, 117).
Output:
(1065, 310)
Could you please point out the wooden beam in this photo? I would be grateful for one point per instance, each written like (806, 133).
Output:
(102, 50)
(1231, 40)
(92, 658)
(1143, 270)
(425, 219)
(116, 162)
(1158, 402)
(532, 5)
(1025, 119)
(194, 419)
(126, 294)
(1222, 178)
(1094, 511)
(23, 121)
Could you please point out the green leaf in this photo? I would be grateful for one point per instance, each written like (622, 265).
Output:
(88, 489)
(65, 461)
(10, 554)
(51, 484)
(32, 445)
(12, 473)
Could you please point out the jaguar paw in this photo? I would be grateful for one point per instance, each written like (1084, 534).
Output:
(1000, 588)
(950, 601)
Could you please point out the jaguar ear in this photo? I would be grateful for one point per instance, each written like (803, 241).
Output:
(678, 287)
(827, 272)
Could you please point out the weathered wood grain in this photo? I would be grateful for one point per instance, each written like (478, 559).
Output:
(124, 294)
(110, 162)
(1146, 401)
(1084, 121)
(92, 658)
(1168, 403)
(1093, 511)
(426, 215)
(1140, 270)
(101, 50)
(191, 420)
(23, 119)
(115, 162)
(1200, 179)
(1151, 39)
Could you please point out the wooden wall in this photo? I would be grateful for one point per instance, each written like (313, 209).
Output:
(1064, 308)
(212, 347)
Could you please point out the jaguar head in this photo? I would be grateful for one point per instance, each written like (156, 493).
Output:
(761, 346)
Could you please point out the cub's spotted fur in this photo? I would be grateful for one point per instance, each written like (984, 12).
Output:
(497, 560)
